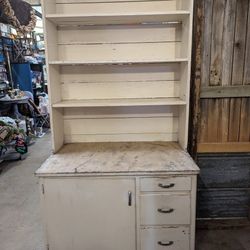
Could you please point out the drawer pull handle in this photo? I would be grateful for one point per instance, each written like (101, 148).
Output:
(129, 198)
(166, 186)
(164, 211)
(170, 243)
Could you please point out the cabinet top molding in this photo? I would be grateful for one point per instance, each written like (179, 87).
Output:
(119, 158)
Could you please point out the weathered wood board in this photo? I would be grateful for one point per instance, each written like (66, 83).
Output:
(224, 185)
(222, 49)
(222, 203)
(224, 171)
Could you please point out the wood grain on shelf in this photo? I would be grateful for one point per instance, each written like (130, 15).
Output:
(115, 62)
(113, 7)
(119, 90)
(118, 18)
(155, 51)
(119, 102)
(119, 158)
(112, 34)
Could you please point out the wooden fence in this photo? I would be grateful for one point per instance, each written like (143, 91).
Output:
(220, 120)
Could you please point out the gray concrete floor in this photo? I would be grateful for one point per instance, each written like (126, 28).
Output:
(20, 222)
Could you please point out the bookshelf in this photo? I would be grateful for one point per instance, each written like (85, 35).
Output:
(134, 56)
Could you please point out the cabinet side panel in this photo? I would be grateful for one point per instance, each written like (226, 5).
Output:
(185, 78)
(51, 51)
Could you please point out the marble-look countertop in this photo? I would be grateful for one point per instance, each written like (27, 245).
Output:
(119, 158)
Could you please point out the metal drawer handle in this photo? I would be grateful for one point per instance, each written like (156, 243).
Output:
(170, 243)
(129, 198)
(166, 186)
(164, 211)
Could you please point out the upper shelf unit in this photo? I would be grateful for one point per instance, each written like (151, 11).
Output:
(119, 70)
(118, 18)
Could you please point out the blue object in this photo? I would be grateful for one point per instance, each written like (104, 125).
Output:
(1, 57)
(22, 76)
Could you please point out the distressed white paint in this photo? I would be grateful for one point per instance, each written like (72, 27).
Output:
(113, 79)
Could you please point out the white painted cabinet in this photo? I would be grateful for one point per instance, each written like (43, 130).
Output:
(119, 196)
(115, 213)
(118, 70)
(119, 83)
(90, 214)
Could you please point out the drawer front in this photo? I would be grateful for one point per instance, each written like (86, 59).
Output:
(165, 209)
(165, 184)
(165, 238)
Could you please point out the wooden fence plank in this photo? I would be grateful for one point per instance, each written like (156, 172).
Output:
(217, 44)
(234, 120)
(223, 120)
(240, 42)
(245, 120)
(213, 119)
(227, 59)
(228, 42)
(206, 41)
(246, 79)
(238, 68)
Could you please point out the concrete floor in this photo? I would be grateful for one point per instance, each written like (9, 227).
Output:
(20, 222)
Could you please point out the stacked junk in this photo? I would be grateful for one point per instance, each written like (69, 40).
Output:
(22, 119)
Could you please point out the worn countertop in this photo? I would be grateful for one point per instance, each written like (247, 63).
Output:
(119, 159)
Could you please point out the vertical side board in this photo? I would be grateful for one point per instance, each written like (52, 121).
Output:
(51, 51)
(193, 212)
(186, 78)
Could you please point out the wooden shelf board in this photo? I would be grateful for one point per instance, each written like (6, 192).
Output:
(120, 102)
(118, 18)
(174, 60)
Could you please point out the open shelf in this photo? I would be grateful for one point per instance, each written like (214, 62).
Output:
(118, 70)
(174, 60)
(120, 102)
(118, 18)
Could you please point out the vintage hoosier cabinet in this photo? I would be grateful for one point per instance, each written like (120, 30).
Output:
(119, 76)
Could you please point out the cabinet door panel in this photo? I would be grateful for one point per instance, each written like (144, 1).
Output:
(89, 214)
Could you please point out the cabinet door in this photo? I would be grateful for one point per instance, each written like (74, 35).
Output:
(89, 214)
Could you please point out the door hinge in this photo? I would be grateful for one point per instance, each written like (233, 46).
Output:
(43, 189)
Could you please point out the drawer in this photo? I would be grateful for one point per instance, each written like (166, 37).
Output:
(165, 184)
(165, 209)
(165, 238)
